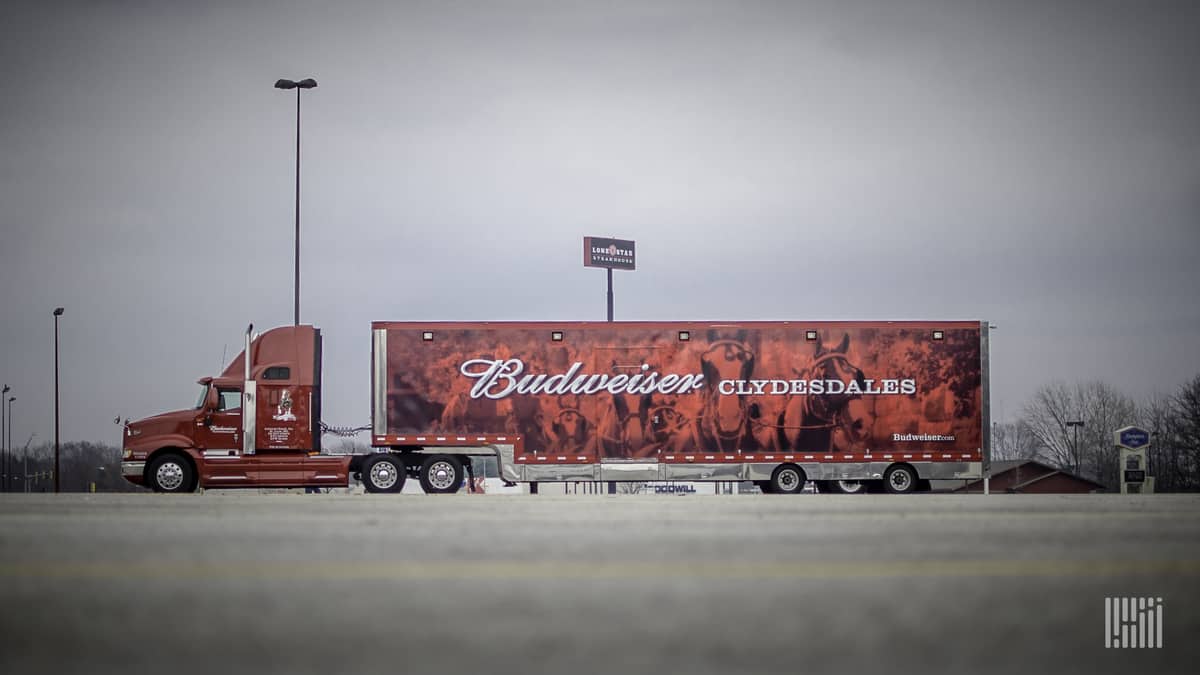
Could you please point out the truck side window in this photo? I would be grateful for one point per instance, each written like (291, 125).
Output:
(229, 399)
(277, 373)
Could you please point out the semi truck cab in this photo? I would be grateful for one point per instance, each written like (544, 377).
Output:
(257, 423)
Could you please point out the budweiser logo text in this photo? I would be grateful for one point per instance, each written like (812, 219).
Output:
(498, 378)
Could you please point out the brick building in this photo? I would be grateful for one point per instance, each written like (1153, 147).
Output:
(1025, 476)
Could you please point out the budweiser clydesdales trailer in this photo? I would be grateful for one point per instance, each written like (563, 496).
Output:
(846, 405)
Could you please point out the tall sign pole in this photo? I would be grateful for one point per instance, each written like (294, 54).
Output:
(611, 254)
(610, 295)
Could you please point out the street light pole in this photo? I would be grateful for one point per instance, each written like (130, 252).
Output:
(58, 311)
(308, 83)
(1075, 444)
(8, 456)
(3, 447)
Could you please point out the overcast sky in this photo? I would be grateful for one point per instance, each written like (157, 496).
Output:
(1035, 164)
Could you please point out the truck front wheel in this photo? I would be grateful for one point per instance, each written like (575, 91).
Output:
(383, 473)
(441, 474)
(171, 473)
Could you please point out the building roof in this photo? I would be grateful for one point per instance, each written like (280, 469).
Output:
(1038, 471)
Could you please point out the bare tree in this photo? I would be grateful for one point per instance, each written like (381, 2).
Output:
(1046, 417)
(1175, 453)
(1014, 440)
(1107, 411)
(1157, 416)
(1086, 450)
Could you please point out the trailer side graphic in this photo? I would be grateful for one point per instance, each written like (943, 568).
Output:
(832, 393)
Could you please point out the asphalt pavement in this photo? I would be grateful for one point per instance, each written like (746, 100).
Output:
(343, 583)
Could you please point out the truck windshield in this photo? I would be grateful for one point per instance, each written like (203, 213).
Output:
(203, 397)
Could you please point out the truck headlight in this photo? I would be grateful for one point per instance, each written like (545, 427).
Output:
(128, 453)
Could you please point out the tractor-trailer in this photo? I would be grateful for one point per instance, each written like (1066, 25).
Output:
(848, 405)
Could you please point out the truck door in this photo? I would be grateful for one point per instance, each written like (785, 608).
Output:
(219, 437)
(219, 428)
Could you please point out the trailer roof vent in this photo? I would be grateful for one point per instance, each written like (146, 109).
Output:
(810, 335)
(684, 335)
(939, 335)
(556, 335)
(427, 336)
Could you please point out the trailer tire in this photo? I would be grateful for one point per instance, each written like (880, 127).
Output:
(764, 485)
(900, 479)
(788, 479)
(383, 473)
(171, 472)
(846, 487)
(441, 474)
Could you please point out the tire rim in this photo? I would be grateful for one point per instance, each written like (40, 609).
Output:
(384, 475)
(788, 480)
(442, 475)
(901, 481)
(850, 486)
(169, 476)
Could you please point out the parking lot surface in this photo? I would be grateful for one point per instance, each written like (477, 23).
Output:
(339, 583)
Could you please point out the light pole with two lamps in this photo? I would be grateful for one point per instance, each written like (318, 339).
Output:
(307, 83)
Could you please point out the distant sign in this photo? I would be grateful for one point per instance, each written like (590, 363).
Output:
(616, 254)
(1133, 438)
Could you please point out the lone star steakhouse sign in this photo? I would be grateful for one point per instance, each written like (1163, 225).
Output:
(617, 254)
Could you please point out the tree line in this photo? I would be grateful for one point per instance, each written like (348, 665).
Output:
(84, 466)
(1046, 431)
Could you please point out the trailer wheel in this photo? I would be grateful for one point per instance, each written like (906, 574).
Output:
(441, 474)
(787, 480)
(900, 479)
(847, 487)
(383, 473)
(171, 472)
(764, 486)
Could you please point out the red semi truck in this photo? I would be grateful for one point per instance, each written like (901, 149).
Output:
(848, 405)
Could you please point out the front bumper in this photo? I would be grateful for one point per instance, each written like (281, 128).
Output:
(133, 471)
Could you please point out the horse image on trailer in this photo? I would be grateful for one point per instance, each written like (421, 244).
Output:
(849, 405)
